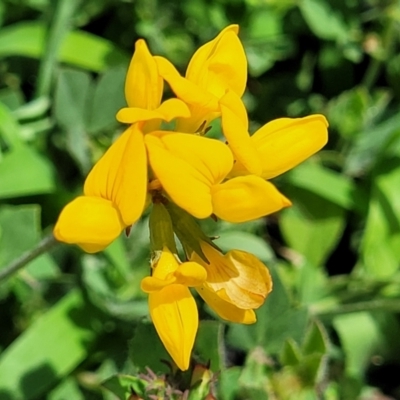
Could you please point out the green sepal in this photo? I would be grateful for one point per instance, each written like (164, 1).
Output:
(188, 231)
(161, 231)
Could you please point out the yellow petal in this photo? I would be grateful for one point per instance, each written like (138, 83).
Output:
(175, 317)
(225, 309)
(90, 222)
(151, 284)
(187, 166)
(143, 85)
(246, 198)
(166, 265)
(234, 125)
(167, 111)
(286, 142)
(190, 274)
(220, 64)
(238, 277)
(121, 175)
(186, 90)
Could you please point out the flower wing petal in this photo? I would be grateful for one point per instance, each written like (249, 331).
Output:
(121, 175)
(90, 222)
(187, 166)
(175, 317)
(245, 198)
(286, 142)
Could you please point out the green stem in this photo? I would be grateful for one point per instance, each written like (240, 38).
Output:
(46, 244)
(392, 305)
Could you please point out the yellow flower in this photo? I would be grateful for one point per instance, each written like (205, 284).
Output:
(143, 92)
(192, 170)
(216, 67)
(274, 148)
(112, 200)
(172, 307)
(236, 284)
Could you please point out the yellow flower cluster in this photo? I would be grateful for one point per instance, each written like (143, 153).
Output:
(186, 174)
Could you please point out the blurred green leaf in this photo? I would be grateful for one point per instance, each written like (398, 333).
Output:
(146, 349)
(81, 49)
(329, 185)
(233, 239)
(324, 20)
(209, 344)
(277, 320)
(71, 101)
(48, 350)
(381, 241)
(108, 97)
(19, 232)
(290, 355)
(124, 385)
(316, 340)
(24, 172)
(312, 226)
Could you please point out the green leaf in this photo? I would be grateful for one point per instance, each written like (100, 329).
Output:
(277, 320)
(245, 241)
(48, 350)
(323, 20)
(24, 172)
(146, 349)
(19, 232)
(108, 98)
(312, 226)
(228, 383)
(71, 100)
(290, 355)
(124, 385)
(316, 340)
(329, 185)
(81, 49)
(209, 344)
(381, 242)
(360, 338)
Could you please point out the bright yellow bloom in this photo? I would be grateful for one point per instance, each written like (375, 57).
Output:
(236, 284)
(173, 309)
(111, 201)
(143, 92)
(192, 169)
(216, 67)
(276, 147)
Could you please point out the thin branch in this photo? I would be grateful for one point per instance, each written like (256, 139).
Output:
(46, 244)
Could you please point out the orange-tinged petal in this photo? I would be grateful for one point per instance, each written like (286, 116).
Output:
(286, 142)
(121, 175)
(246, 198)
(225, 309)
(234, 125)
(90, 222)
(238, 277)
(175, 317)
(187, 166)
(220, 64)
(143, 85)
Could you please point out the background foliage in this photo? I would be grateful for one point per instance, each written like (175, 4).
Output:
(75, 326)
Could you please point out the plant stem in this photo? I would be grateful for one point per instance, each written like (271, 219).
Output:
(46, 244)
